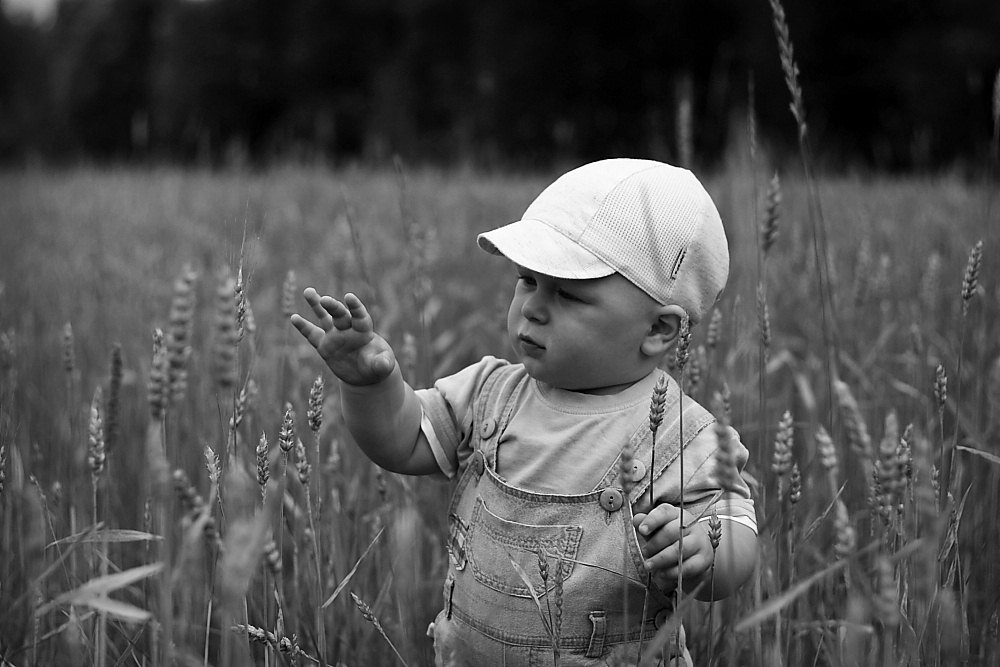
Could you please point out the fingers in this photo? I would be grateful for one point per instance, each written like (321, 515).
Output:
(361, 320)
(333, 314)
(693, 566)
(309, 331)
(314, 300)
(659, 516)
(668, 556)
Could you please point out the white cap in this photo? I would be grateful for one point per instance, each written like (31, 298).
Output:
(651, 222)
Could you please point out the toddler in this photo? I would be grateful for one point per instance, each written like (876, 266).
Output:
(551, 543)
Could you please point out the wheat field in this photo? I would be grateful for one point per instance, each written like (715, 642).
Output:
(150, 382)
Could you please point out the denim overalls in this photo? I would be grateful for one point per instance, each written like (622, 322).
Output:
(502, 538)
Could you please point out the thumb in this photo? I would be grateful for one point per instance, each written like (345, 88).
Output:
(383, 363)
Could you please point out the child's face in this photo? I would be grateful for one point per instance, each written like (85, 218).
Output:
(581, 335)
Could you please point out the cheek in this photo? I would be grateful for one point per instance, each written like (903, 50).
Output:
(513, 315)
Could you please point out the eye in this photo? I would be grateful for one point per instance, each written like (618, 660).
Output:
(569, 296)
(526, 280)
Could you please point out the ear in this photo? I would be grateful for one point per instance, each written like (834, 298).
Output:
(663, 331)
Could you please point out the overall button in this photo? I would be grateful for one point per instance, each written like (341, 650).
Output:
(611, 499)
(638, 470)
(488, 428)
(661, 617)
(478, 463)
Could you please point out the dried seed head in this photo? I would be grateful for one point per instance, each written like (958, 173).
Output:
(657, 403)
(625, 465)
(683, 344)
(683, 122)
(366, 611)
(263, 462)
(302, 462)
(763, 321)
(727, 469)
(380, 484)
(333, 460)
(970, 281)
(178, 339)
(256, 634)
(288, 646)
(112, 406)
(408, 355)
(886, 599)
(158, 378)
(288, 294)
(781, 462)
(272, 558)
(769, 227)
(286, 436)
(936, 483)
(69, 353)
(725, 404)
(846, 537)
(212, 465)
(940, 387)
(889, 469)
(905, 453)
(693, 369)
(543, 567)
(241, 303)
(243, 403)
(714, 530)
(881, 278)
(794, 485)
(3, 467)
(186, 492)
(225, 339)
(786, 54)
(315, 412)
(249, 321)
(559, 576)
(930, 282)
(714, 332)
(862, 272)
(827, 451)
(857, 431)
(95, 437)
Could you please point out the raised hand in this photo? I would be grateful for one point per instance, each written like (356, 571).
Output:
(345, 338)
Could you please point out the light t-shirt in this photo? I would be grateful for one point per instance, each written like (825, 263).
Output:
(564, 442)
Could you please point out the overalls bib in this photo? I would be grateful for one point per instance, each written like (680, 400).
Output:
(529, 571)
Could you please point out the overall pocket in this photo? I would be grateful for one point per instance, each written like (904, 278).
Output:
(494, 542)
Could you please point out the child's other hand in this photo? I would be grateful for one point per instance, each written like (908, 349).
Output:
(346, 339)
(659, 533)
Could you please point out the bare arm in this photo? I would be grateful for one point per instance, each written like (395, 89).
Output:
(381, 411)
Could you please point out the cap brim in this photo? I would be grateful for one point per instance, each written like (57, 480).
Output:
(538, 247)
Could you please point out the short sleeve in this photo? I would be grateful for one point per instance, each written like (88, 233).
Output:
(704, 479)
(447, 413)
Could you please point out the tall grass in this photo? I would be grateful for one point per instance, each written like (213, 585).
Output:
(858, 564)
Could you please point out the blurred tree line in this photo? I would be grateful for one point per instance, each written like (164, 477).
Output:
(892, 84)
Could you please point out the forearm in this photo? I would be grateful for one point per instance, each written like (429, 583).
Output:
(384, 420)
(735, 561)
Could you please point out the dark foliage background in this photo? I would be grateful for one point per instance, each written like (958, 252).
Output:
(897, 84)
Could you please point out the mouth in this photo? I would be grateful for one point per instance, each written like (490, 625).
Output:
(529, 344)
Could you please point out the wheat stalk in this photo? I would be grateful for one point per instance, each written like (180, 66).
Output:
(370, 616)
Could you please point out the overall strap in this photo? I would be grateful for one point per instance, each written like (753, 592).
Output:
(494, 406)
(679, 411)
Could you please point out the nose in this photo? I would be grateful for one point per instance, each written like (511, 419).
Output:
(534, 307)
